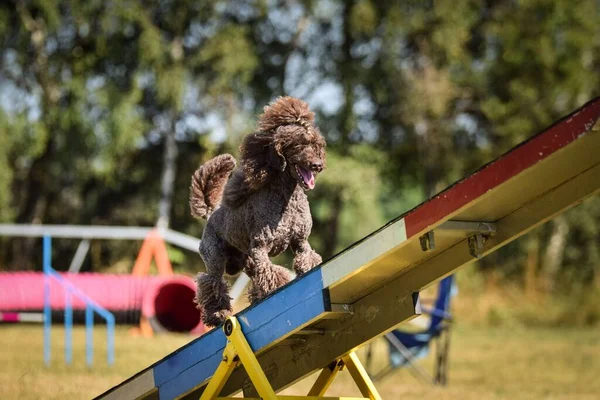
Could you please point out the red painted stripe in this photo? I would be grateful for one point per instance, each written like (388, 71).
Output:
(502, 169)
(10, 317)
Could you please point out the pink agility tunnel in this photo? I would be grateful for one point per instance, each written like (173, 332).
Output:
(166, 301)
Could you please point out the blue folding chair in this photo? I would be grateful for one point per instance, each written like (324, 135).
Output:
(406, 347)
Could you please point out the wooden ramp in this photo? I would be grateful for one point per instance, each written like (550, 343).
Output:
(372, 286)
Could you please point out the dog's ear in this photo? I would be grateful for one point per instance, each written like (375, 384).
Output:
(275, 157)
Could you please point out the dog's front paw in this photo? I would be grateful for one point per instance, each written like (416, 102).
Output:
(304, 262)
(315, 259)
(267, 282)
(214, 318)
(212, 298)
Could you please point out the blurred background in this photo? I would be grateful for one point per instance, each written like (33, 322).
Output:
(107, 108)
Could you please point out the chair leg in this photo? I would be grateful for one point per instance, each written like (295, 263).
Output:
(444, 377)
(369, 358)
(439, 359)
(420, 371)
(442, 351)
(382, 374)
(375, 376)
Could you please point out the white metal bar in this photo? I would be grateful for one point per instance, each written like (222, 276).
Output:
(79, 257)
(182, 240)
(238, 286)
(75, 231)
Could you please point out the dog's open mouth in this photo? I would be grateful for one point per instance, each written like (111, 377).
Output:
(307, 177)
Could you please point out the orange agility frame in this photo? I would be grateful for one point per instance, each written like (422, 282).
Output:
(153, 246)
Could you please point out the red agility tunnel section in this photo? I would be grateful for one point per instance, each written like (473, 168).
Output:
(165, 301)
(169, 305)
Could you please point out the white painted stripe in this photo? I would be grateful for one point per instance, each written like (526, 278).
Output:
(350, 262)
(31, 317)
(139, 386)
(21, 317)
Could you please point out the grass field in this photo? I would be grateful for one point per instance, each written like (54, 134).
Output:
(485, 363)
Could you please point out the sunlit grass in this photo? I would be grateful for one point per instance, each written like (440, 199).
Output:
(485, 363)
(23, 374)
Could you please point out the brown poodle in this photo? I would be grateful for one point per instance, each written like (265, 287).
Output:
(261, 209)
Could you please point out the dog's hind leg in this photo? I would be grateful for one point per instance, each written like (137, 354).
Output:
(266, 276)
(236, 261)
(212, 294)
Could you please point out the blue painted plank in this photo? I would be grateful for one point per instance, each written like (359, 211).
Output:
(254, 318)
(307, 310)
(260, 323)
(281, 325)
(202, 351)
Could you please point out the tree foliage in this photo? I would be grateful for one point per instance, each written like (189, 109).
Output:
(107, 107)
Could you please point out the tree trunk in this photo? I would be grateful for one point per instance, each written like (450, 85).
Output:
(38, 192)
(332, 227)
(168, 178)
(554, 252)
(531, 266)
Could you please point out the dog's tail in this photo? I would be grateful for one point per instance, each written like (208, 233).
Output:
(208, 183)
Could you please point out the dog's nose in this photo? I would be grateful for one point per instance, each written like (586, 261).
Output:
(317, 166)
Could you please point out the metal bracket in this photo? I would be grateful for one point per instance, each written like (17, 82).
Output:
(339, 310)
(476, 244)
(478, 233)
(427, 241)
(469, 227)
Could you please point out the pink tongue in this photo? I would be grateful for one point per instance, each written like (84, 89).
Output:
(308, 178)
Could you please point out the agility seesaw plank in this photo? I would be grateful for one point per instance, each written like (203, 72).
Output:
(368, 289)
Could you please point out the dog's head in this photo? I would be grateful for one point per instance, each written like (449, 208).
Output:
(288, 144)
(299, 152)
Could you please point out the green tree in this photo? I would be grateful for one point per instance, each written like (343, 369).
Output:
(107, 107)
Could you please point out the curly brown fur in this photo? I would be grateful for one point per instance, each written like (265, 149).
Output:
(285, 111)
(212, 298)
(285, 127)
(306, 259)
(264, 209)
(267, 282)
(208, 183)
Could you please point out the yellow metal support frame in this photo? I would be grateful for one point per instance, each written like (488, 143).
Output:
(238, 351)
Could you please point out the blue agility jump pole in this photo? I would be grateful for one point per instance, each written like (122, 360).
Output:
(90, 307)
(47, 312)
(68, 327)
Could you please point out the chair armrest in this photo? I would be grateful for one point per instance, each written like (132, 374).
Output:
(437, 313)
